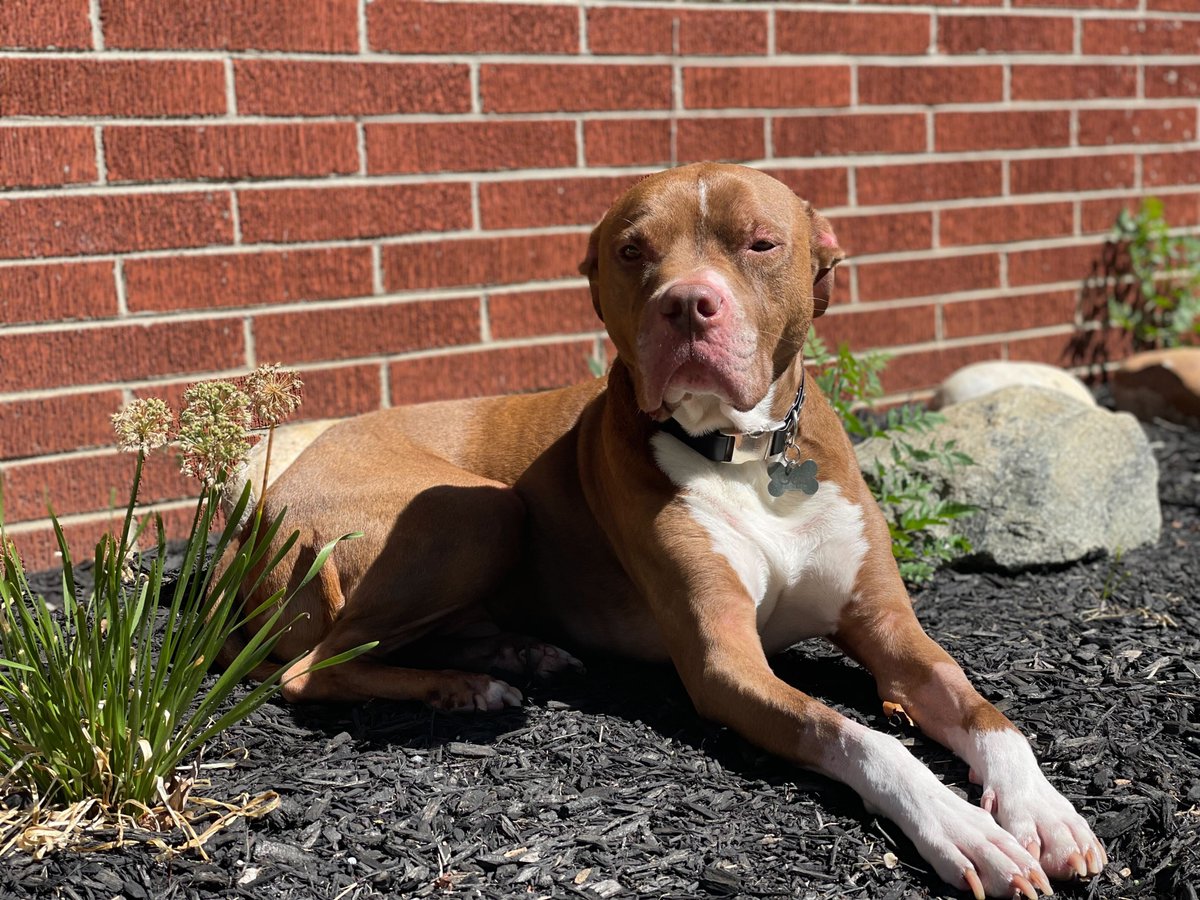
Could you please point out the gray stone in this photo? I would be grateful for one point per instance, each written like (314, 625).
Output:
(1055, 480)
(982, 378)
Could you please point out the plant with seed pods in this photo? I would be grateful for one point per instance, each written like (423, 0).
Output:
(103, 703)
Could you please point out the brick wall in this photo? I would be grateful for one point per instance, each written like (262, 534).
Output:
(393, 195)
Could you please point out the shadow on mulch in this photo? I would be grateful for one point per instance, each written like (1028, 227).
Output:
(609, 784)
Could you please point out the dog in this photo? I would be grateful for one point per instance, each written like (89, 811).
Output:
(701, 503)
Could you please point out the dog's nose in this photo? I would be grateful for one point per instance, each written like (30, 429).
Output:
(691, 305)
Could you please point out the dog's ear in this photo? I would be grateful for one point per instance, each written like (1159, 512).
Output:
(591, 268)
(826, 254)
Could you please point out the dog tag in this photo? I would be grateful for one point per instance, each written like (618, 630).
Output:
(786, 477)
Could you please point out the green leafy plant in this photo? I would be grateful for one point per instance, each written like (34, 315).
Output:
(918, 514)
(96, 724)
(1159, 305)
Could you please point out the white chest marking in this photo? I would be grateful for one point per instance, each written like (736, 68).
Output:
(796, 555)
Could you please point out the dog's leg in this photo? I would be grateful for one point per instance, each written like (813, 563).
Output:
(713, 639)
(912, 672)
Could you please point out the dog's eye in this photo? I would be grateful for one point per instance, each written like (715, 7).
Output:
(631, 251)
(762, 246)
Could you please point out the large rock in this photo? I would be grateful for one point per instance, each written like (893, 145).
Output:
(1055, 480)
(982, 378)
(1161, 384)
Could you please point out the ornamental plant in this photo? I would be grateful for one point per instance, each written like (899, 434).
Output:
(1159, 303)
(919, 517)
(105, 704)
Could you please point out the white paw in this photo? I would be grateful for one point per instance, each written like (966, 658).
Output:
(1041, 819)
(968, 849)
(496, 695)
(962, 842)
(546, 659)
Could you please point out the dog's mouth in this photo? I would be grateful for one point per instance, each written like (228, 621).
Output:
(698, 369)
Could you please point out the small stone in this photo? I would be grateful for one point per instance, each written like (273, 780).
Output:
(980, 379)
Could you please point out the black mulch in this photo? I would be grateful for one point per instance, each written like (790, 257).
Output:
(609, 785)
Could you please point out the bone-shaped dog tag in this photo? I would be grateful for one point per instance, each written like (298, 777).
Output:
(786, 477)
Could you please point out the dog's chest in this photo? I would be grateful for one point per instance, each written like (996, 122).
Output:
(797, 555)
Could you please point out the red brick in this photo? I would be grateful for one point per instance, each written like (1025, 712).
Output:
(1072, 173)
(1078, 4)
(84, 484)
(115, 354)
(737, 140)
(555, 201)
(573, 88)
(372, 330)
(997, 315)
(842, 134)
(859, 33)
(1100, 215)
(945, 2)
(1001, 224)
(1055, 349)
(824, 188)
(303, 88)
(627, 142)
(1002, 130)
(710, 32)
(565, 311)
(930, 85)
(1054, 264)
(469, 146)
(1137, 126)
(340, 391)
(504, 370)
(928, 368)
(1173, 81)
(113, 223)
(1005, 34)
(187, 152)
(38, 547)
(329, 26)
(168, 284)
(927, 277)
(765, 87)
(1160, 169)
(862, 328)
(58, 423)
(67, 86)
(36, 156)
(1143, 36)
(1173, 5)
(318, 214)
(55, 293)
(415, 26)
(884, 233)
(1073, 82)
(38, 25)
(482, 261)
(928, 181)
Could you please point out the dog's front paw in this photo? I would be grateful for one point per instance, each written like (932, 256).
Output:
(967, 848)
(466, 692)
(1041, 819)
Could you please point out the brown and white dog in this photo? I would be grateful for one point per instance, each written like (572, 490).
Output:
(597, 510)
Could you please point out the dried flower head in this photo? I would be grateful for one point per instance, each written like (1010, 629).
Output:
(212, 431)
(274, 393)
(142, 426)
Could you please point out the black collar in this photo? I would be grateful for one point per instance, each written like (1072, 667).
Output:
(744, 446)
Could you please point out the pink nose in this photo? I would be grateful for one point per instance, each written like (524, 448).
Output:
(691, 305)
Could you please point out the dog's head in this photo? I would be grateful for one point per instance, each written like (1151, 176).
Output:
(708, 277)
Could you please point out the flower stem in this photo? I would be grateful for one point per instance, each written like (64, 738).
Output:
(262, 494)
